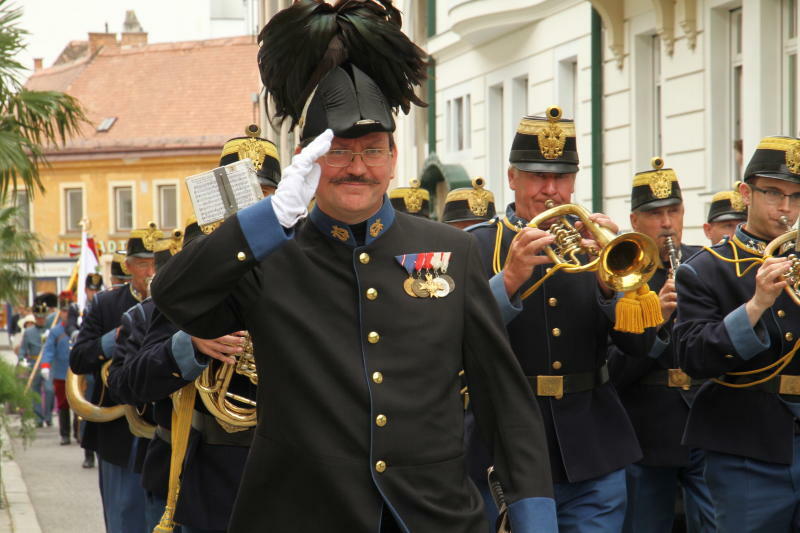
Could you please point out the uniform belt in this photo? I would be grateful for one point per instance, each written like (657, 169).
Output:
(213, 434)
(558, 386)
(164, 434)
(671, 377)
(787, 384)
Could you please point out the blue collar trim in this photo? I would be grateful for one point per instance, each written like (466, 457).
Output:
(338, 231)
(511, 215)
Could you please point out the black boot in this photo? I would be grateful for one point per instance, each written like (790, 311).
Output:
(88, 459)
(63, 425)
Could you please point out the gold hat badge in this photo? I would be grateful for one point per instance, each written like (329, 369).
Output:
(478, 198)
(660, 182)
(413, 197)
(148, 235)
(552, 137)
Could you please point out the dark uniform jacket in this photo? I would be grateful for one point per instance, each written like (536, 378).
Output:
(211, 473)
(564, 328)
(359, 407)
(132, 330)
(714, 337)
(658, 412)
(93, 347)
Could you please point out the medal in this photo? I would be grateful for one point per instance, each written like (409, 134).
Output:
(408, 262)
(445, 262)
(419, 287)
(407, 286)
(427, 276)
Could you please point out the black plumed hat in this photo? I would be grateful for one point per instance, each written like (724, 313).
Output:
(346, 66)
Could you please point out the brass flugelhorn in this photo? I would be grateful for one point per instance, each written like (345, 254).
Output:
(788, 242)
(234, 412)
(624, 262)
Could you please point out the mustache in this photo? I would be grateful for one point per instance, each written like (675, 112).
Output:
(355, 179)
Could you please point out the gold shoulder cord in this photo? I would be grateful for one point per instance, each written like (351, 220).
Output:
(778, 365)
(497, 267)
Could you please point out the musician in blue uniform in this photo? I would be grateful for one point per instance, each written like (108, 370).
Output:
(737, 327)
(120, 486)
(727, 211)
(560, 333)
(656, 393)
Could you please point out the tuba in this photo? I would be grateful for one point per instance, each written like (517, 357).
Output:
(234, 412)
(624, 263)
(788, 242)
(75, 389)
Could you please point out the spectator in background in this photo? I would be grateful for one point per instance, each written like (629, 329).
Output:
(29, 351)
(55, 361)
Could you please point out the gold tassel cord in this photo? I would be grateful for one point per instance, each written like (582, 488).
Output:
(637, 310)
(781, 363)
(182, 410)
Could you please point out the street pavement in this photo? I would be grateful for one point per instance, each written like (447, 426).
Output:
(65, 497)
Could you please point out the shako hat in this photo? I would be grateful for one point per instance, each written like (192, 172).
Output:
(775, 157)
(94, 281)
(655, 188)
(118, 267)
(65, 298)
(545, 144)
(191, 230)
(469, 203)
(346, 66)
(727, 205)
(49, 299)
(40, 309)
(166, 248)
(412, 200)
(141, 241)
(262, 152)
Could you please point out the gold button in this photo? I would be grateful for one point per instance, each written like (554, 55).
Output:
(241, 256)
(556, 365)
(377, 377)
(364, 258)
(381, 420)
(371, 294)
(552, 302)
(380, 467)
(781, 313)
(728, 356)
(556, 332)
(789, 336)
(373, 337)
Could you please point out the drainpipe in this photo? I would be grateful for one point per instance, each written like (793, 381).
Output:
(597, 112)
(431, 81)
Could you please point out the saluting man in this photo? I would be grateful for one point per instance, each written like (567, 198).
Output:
(360, 419)
(737, 326)
(654, 390)
(727, 211)
(560, 332)
(120, 486)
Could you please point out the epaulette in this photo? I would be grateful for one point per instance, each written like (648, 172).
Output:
(491, 223)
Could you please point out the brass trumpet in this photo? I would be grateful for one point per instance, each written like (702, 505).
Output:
(788, 242)
(234, 412)
(624, 263)
(75, 389)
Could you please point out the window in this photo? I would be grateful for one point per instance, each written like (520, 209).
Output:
(735, 46)
(789, 66)
(656, 118)
(498, 157)
(168, 206)
(568, 86)
(23, 205)
(123, 208)
(73, 202)
(459, 124)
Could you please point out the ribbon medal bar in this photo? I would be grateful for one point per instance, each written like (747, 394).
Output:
(427, 276)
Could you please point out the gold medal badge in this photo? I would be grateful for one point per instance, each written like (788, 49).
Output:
(478, 198)
(340, 233)
(793, 157)
(414, 198)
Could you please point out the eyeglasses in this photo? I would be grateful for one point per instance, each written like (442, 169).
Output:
(373, 157)
(772, 197)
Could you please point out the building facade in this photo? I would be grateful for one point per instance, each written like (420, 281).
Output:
(158, 113)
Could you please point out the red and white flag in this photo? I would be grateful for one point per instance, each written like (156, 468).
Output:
(88, 265)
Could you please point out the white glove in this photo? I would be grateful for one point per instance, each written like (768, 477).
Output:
(45, 374)
(299, 181)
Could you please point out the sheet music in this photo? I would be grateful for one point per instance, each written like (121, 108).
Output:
(211, 191)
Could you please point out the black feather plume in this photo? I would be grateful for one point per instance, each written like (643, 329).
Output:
(304, 42)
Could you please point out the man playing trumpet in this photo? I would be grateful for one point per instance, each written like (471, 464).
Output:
(737, 325)
(559, 333)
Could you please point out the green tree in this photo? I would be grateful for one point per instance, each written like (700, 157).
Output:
(30, 121)
(19, 250)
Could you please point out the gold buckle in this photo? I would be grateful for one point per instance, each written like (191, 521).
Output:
(789, 385)
(550, 386)
(679, 378)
